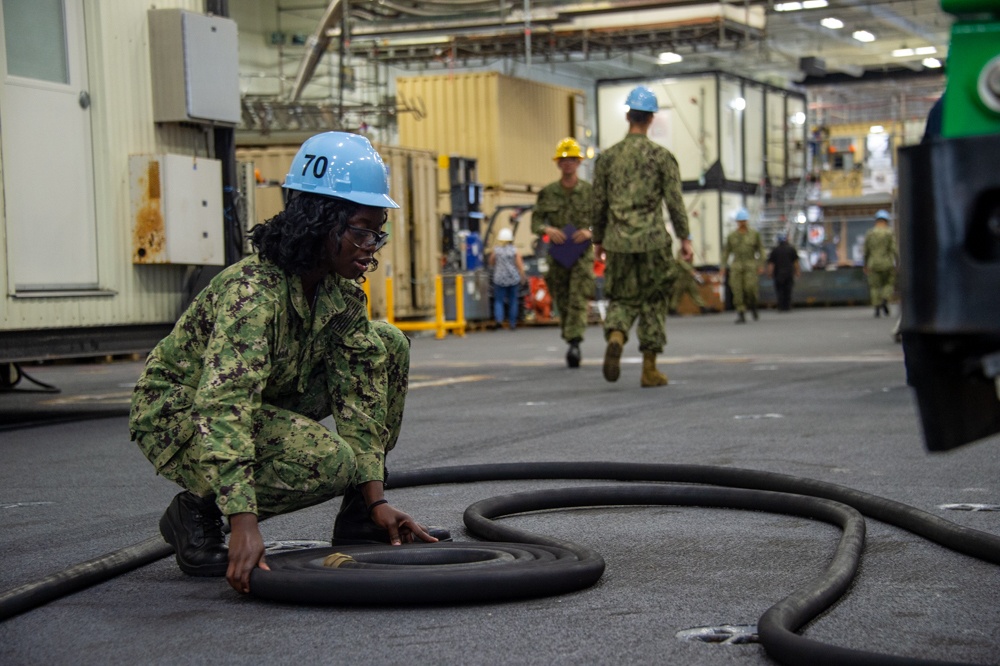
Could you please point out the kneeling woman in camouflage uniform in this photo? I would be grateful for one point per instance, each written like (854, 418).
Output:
(229, 403)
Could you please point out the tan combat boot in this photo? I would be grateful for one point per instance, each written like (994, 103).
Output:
(613, 355)
(650, 375)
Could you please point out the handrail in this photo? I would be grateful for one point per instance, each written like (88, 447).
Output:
(440, 325)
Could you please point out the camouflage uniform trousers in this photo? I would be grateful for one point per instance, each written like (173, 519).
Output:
(881, 284)
(571, 290)
(745, 286)
(685, 282)
(638, 285)
(299, 462)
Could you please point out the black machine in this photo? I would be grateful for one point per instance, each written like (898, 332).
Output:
(949, 209)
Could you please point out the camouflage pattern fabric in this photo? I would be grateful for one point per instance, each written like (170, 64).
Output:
(229, 402)
(684, 283)
(632, 179)
(571, 288)
(747, 252)
(638, 285)
(881, 285)
(880, 249)
(880, 260)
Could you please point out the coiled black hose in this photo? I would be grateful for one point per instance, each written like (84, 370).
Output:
(777, 492)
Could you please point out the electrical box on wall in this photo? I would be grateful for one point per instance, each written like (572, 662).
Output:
(176, 207)
(194, 63)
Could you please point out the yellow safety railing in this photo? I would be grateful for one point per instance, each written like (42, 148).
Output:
(439, 325)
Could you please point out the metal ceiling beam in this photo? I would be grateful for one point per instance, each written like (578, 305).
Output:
(315, 47)
(890, 17)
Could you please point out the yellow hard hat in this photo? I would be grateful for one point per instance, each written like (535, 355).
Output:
(568, 147)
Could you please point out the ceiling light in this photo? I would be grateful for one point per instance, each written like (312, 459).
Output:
(876, 129)
(902, 53)
(796, 6)
(738, 104)
(863, 36)
(798, 118)
(669, 58)
(832, 23)
(932, 63)
(925, 50)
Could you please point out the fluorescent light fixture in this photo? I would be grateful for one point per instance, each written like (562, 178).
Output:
(738, 104)
(798, 118)
(925, 50)
(669, 58)
(876, 129)
(932, 63)
(832, 23)
(796, 6)
(902, 53)
(863, 36)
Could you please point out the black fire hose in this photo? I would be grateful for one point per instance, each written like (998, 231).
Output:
(765, 491)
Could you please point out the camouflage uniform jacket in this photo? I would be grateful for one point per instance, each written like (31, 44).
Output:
(880, 249)
(250, 339)
(745, 248)
(631, 180)
(557, 207)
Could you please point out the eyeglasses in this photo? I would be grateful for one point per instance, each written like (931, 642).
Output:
(373, 240)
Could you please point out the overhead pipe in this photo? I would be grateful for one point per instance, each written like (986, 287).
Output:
(315, 47)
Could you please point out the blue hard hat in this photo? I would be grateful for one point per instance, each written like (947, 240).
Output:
(742, 215)
(882, 215)
(642, 99)
(782, 237)
(341, 165)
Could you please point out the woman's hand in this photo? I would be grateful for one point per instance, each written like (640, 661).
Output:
(400, 526)
(246, 551)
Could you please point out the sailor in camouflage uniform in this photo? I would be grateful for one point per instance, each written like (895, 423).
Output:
(747, 250)
(228, 405)
(880, 262)
(564, 202)
(632, 179)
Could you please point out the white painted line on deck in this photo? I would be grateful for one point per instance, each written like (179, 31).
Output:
(447, 381)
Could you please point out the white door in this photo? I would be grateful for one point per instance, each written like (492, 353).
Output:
(48, 175)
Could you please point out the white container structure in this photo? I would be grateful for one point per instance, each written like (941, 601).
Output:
(77, 101)
(731, 136)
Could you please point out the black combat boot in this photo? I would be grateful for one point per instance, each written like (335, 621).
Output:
(193, 526)
(885, 308)
(573, 354)
(353, 524)
(740, 318)
(753, 311)
(878, 311)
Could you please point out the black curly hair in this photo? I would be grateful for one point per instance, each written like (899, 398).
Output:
(294, 238)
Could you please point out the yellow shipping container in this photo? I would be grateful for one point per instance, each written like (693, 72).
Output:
(509, 125)
(412, 257)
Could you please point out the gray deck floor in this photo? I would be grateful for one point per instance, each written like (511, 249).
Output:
(817, 393)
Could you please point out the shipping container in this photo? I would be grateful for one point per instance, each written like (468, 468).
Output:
(412, 256)
(509, 125)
